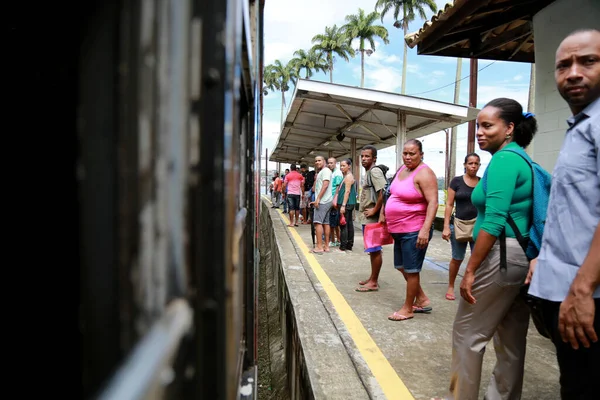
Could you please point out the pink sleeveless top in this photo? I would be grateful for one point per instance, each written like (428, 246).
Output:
(406, 208)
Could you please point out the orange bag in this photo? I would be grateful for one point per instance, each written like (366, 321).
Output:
(376, 234)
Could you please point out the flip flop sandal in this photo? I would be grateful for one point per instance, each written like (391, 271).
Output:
(365, 289)
(417, 309)
(398, 317)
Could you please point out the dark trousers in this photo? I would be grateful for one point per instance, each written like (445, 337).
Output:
(579, 369)
(347, 231)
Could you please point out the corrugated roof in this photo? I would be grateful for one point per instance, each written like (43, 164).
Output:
(482, 29)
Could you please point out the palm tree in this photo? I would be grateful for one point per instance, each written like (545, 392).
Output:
(406, 9)
(333, 41)
(360, 26)
(311, 60)
(278, 77)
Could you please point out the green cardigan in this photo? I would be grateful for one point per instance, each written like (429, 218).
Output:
(509, 190)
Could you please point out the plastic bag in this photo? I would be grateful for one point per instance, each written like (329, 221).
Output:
(376, 235)
(342, 219)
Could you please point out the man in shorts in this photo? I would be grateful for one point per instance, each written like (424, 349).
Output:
(334, 219)
(371, 202)
(293, 184)
(309, 181)
(322, 204)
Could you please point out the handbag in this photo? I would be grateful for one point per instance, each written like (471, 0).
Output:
(463, 229)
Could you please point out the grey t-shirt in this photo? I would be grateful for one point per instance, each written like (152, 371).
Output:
(369, 194)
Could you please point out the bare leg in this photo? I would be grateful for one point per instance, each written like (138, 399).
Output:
(291, 212)
(319, 234)
(413, 286)
(420, 299)
(297, 213)
(454, 267)
(376, 262)
(327, 233)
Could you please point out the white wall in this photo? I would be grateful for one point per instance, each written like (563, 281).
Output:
(550, 27)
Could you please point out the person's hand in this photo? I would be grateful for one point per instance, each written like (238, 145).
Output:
(382, 218)
(576, 319)
(423, 239)
(446, 234)
(315, 204)
(334, 203)
(343, 209)
(369, 213)
(465, 287)
(532, 265)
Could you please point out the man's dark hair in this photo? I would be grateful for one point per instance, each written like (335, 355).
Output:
(293, 167)
(303, 165)
(512, 111)
(372, 148)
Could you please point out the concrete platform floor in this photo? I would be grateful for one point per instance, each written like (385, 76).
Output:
(417, 350)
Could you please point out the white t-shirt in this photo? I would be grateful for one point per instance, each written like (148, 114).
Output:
(324, 175)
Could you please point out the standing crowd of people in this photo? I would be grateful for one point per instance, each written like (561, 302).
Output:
(511, 275)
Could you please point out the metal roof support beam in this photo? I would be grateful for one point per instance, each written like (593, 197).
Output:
(400, 137)
(378, 106)
(382, 124)
(369, 131)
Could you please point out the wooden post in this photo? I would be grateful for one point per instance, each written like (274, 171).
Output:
(472, 103)
(454, 132)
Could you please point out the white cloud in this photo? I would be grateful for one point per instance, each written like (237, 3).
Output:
(438, 73)
(520, 93)
(518, 77)
(290, 25)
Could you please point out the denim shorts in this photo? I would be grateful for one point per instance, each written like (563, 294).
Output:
(458, 248)
(293, 202)
(371, 249)
(406, 254)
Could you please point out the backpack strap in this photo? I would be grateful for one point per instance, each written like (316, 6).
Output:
(523, 242)
(389, 188)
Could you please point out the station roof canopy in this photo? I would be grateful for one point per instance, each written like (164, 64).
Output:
(324, 117)
(483, 29)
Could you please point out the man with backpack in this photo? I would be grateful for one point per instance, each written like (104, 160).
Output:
(371, 201)
(567, 276)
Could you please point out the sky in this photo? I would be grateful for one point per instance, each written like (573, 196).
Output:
(290, 25)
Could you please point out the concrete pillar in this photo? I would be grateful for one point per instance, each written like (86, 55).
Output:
(354, 156)
(400, 138)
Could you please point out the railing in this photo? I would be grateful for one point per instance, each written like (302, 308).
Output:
(148, 370)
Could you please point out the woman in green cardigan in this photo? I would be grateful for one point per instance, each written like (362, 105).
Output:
(491, 306)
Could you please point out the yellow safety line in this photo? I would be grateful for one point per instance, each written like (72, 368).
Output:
(382, 370)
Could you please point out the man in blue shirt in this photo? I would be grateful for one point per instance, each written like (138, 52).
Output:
(567, 275)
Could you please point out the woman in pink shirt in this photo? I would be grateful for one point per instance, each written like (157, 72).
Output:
(409, 213)
(294, 183)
